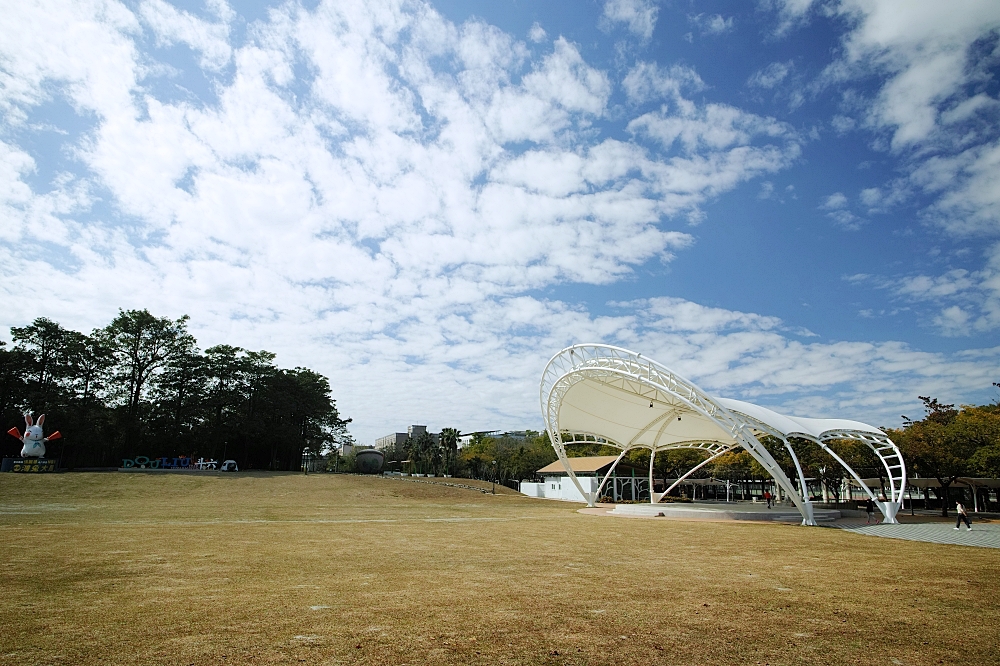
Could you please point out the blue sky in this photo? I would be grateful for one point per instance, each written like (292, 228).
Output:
(795, 202)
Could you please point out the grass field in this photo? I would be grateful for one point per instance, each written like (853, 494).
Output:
(323, 569)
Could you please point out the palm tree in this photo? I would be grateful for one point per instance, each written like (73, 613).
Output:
(412, 451)
(449, 441)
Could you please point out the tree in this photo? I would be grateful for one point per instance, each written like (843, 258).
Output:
(43, 344)
(141, 345)
(425, 453)
(139, 386)
(935, 446)
(449, 442)
(13, 393)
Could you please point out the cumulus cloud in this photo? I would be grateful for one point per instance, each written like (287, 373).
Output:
(638, 16)
(711, 25)
(171, 25)
(835, 201)
(934, 66)
(843, 124)
(381, 194)
(536, 33)
(967, 302)
(923, 47)
(790, 14)
(647, 81)
(770, 76)
(836, 207)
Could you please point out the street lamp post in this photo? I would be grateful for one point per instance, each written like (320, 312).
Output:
(494, 477)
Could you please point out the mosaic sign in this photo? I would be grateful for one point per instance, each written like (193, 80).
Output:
(180, 462)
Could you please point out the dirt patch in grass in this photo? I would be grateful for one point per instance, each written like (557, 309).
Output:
(326, 569)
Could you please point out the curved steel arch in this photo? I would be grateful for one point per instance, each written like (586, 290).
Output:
(631, 373)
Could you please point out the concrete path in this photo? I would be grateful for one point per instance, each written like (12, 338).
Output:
(720, 511)
(927, 528)
(983, 535)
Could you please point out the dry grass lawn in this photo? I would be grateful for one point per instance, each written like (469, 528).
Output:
(324, 569)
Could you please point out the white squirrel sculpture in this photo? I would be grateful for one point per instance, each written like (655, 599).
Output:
(34, 442)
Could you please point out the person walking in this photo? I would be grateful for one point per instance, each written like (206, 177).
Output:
(870, 508)
(962, 515)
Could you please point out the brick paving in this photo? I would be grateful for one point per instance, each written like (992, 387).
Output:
(983, 535)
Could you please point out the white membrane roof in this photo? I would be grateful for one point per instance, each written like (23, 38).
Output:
(602, 408)
(795, 425)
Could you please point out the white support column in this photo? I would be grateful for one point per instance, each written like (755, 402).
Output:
(807, 507)
(888, 509)
(652, 493)
(597, 493)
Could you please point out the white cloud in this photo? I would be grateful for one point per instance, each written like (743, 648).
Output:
(711, 25)
(84, 46)
(171, 25)
(647, 81)
(922, 46)
(790, 13)
(871, 197)
(770, 76)
(967, 302)
(967, 189)
(834, 201)
(928, 55)
(836, 206)
(382, 195)
(843, 124)
(639, 16)
(537, 33)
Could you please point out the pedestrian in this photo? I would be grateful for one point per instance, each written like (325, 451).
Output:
(768, 496)
(870, 509)
(962, 515)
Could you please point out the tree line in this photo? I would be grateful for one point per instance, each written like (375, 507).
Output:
(502, 459)
(140, 386)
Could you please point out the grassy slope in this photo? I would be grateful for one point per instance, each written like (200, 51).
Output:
(115, 568)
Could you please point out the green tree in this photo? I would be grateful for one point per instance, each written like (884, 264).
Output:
(141, 346)
(449, 442)
(935, 446)
(139, 386)
(44, 346)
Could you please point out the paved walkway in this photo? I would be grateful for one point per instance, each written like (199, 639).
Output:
(983, 535)
(928, 528)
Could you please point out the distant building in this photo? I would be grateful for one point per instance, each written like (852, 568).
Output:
(347, 449)
(397, 439)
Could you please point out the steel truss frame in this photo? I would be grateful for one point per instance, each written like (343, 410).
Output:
(624, 370)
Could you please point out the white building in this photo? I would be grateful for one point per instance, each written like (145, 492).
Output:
(623, 484)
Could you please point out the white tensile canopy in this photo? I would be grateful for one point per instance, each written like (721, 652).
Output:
(594, 392)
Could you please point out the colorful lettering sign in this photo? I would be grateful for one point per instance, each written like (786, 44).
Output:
(29, 465)
(180, 462)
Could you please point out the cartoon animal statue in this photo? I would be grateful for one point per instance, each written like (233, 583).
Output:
(34, 442)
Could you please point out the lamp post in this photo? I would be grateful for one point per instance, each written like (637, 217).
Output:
(494, 477)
